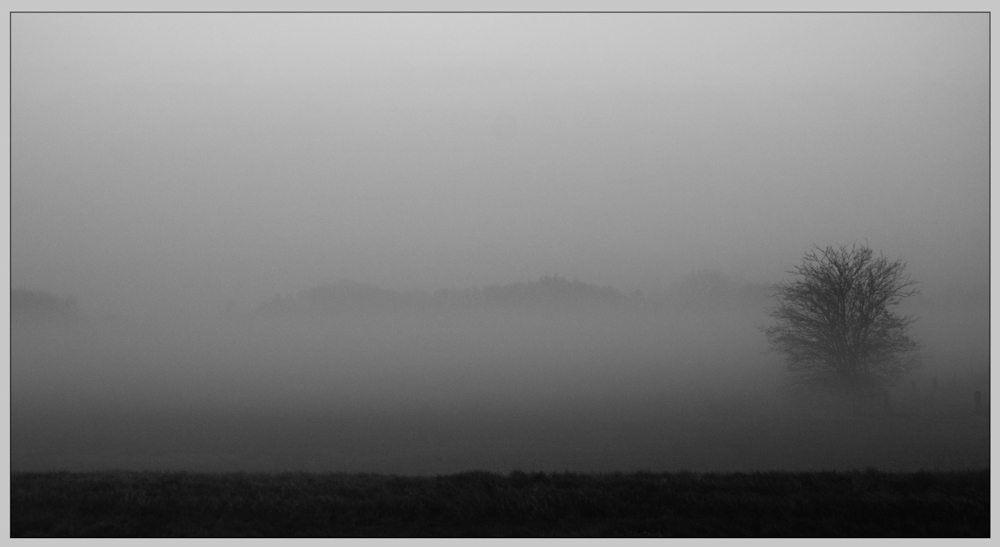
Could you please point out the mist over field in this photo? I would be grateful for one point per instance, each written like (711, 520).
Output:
(439, 384)
(427, 243)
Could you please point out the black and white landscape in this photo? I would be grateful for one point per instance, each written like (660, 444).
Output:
(430, 243)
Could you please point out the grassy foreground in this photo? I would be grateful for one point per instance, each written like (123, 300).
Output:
(474, 504)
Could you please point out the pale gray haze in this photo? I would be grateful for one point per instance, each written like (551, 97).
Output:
(419, 243)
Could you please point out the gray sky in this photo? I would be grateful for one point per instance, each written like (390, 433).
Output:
(182, 160)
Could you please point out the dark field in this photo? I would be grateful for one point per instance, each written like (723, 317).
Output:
(368, 427)
(478, 504)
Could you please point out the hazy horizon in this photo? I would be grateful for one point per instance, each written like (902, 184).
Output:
(167, 169)
(182, 160)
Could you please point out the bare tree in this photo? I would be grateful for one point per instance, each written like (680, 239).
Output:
(834, 323)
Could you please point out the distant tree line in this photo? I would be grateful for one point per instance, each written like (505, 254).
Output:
(550, 292)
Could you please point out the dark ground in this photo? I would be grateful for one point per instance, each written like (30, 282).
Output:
(476, 504)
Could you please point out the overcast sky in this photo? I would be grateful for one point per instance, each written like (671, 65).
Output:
(185, 160)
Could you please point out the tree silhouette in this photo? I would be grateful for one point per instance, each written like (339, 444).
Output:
(834, 325)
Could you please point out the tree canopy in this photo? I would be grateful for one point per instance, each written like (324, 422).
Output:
(834, 324)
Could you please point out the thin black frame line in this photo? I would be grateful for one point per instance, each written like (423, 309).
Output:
(515, 12)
